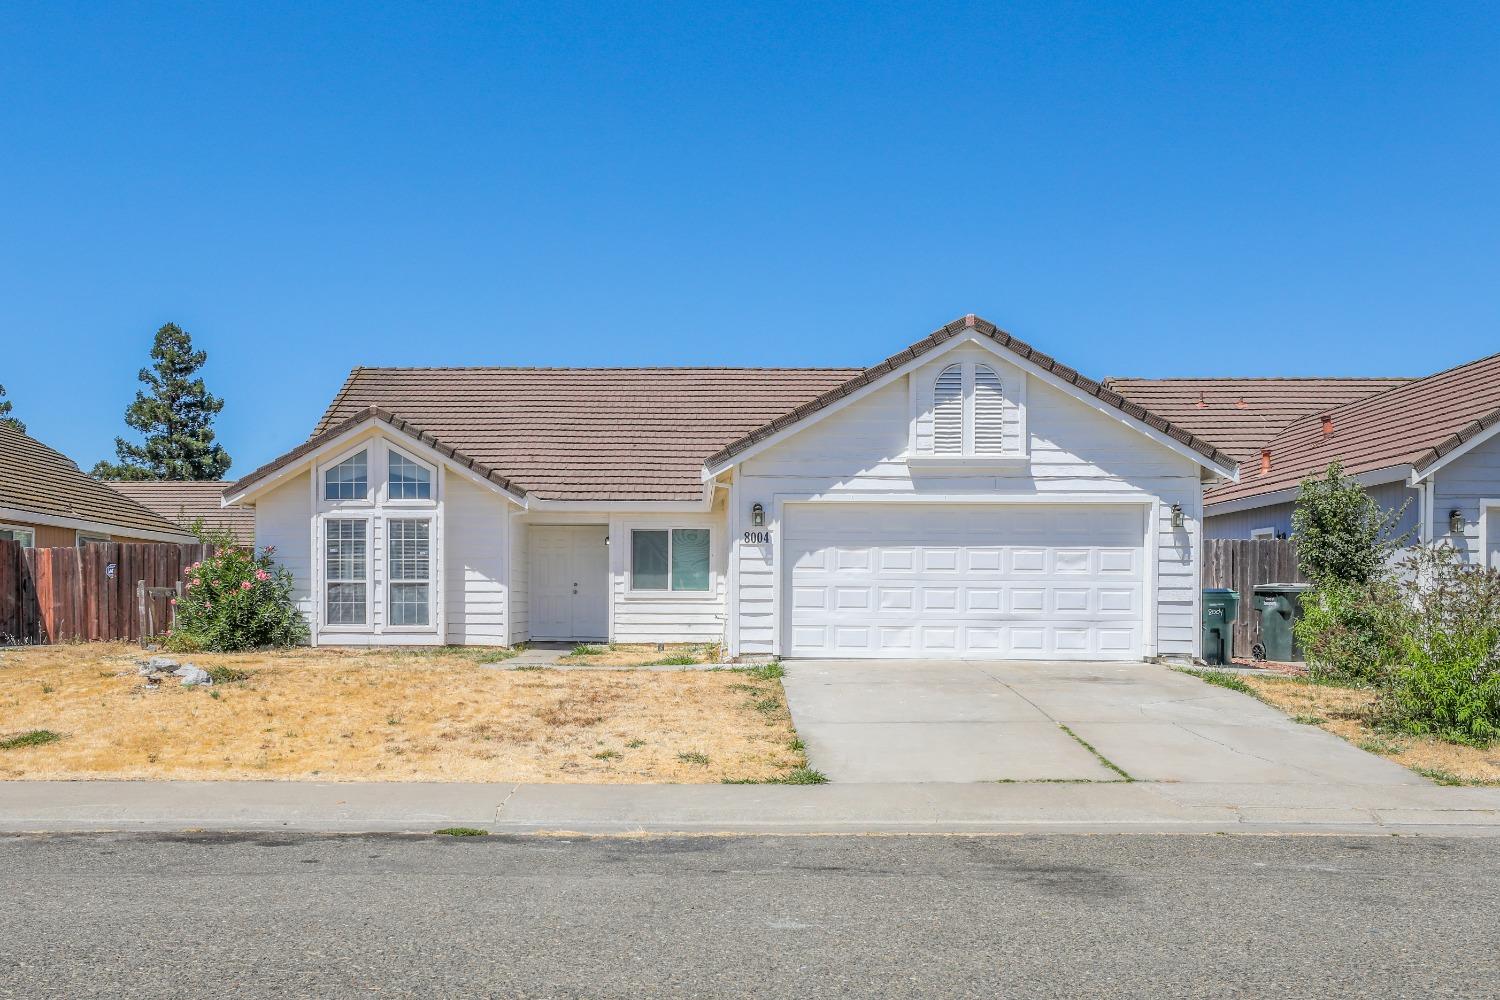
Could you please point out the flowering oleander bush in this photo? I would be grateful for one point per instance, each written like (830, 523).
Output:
(236, 599)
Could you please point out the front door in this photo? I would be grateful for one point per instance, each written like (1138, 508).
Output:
(569, 582)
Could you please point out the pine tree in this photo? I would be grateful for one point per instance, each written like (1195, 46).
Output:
(175, 416)
(5, 417)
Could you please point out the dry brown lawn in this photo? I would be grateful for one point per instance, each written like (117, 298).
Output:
(386, 715)
(1347, 712)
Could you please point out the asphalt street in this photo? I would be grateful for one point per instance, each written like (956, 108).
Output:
(211, 915)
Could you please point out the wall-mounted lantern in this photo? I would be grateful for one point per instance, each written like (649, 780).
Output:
(757, 516)
(1177, 515)
(1456, 522)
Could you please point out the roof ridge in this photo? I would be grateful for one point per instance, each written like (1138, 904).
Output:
(606, 368)
(1264, 378)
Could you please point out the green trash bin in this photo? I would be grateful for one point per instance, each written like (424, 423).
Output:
(1221, 606)
(1279, 606)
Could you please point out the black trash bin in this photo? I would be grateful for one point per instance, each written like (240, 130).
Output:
(1221, 606)
(1279, 606)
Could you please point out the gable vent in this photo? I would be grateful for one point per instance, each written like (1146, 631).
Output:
(948, 411)
(989, 412)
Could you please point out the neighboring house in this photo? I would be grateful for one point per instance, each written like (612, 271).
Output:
(45, 501)
(1427, 444)
(187, 504)
(968, 496)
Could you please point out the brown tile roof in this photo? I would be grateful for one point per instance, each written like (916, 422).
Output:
(185, 503)
(1242, 414)
(1412, 424)
(37, 479)
(1018, 347)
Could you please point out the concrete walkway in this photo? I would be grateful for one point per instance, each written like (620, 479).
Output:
(31, 806)
(964, 721)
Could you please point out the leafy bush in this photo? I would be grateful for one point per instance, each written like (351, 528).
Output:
(1349, 631)
(1447, 681)
(236, 599)
(1343, 535)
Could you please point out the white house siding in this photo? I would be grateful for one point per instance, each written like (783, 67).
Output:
(283, 518)
(673, 616)
(1074, 449)
(1240, 523)
(520, 592)
(475, 525)
(1461, 485)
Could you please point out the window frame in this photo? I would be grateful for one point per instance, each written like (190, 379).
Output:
(385, 480)
(368, 625)
(668, 594)
(389, 581)
(31, 532)
(1262, 534)
(368, 500)
(82, 538)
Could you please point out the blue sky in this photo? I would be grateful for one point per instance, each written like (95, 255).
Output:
(1138, 189)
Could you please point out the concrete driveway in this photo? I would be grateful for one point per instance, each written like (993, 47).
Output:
(915, 720)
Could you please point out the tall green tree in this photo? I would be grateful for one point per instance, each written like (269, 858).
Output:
(5, 417)
(1344, 535)
(174, 414)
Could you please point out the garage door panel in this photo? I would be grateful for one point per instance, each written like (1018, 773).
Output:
(910, 580)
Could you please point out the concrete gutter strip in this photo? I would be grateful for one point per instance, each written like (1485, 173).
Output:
(758, 809)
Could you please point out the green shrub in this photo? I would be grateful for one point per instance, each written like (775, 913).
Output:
(1447, 680)
(1348, 632)
(233, 600)
(1343, 534)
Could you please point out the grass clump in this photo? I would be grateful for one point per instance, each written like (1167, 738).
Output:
(221, 674)
(676, 660)
(694, 757)
(587, 649)
(1220, 679)
(33, 738)
(461, 831)
(772, 671)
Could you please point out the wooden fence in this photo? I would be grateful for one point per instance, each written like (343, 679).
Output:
(91, 593)
(1242, 565)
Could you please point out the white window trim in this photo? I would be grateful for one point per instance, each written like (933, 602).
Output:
(407, 502)
(923, 404)
(1489, 522)
(324, 625)
(632, 594)
(368, 445)
(432, 564)
(21, 527)
(1257, 534)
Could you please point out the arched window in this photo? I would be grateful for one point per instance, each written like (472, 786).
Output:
(407, 480)
(968, 411)
(948, 411)
(989, 412)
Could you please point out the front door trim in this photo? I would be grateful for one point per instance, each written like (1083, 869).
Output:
(581, 557)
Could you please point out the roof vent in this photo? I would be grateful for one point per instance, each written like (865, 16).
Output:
(1240, 404)
(1202, 402)
(1327, 425)
(969, 320)
(1265, 461)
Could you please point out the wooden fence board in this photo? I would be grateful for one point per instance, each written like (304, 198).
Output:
(56, 595)
(1242, 564)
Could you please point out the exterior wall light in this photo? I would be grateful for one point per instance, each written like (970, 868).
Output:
(1177, 515)
(1456, 522)
(757, 516)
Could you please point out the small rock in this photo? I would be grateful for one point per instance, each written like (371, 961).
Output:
(192, 675)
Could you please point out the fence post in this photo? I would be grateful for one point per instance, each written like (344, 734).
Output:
(140, 603)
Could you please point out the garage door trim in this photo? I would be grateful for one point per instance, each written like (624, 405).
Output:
(1149, 541)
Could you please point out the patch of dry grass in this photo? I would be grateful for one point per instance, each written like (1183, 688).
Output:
(640, 655)
(387, 715)
(1348, 712)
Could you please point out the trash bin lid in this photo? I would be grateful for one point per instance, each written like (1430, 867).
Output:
(1219, 590)
(1283, 588)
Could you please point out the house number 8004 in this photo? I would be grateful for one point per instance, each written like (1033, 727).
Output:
(757, 538)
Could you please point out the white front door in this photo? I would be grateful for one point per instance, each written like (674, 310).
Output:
(569, 582)
(1026, 581)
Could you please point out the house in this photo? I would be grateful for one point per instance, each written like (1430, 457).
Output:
(45, 501)
(1426, 446)
(967, 496)
(190, 504)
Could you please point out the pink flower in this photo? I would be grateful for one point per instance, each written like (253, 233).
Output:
(261, 574)
(208, 605)
(172, 601)
(245, 585)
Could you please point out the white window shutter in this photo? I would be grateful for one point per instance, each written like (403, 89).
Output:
(989, 412)
(948, 412)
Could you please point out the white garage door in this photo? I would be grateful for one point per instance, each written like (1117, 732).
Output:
(1020, 581)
